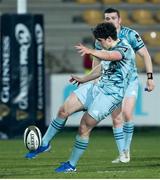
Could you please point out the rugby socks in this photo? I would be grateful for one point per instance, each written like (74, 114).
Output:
(128, 129)
(119, 138)
(78, 149)
(55, 126)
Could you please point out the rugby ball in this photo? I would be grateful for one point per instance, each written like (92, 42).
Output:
(32, 138)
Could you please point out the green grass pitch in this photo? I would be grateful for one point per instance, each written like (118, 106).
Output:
(94, 164)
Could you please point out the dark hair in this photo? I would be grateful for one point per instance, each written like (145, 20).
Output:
(112, 10)
(105, 30)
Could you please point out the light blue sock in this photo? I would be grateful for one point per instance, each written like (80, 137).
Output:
(55, 126)
(128, 129)
(119, 138)
(78, 149)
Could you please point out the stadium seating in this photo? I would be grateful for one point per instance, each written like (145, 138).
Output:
(156, 58)
(62, 33)
(125, 18)
(140, 64)
(86, 1)
(111, 1)
(152, 38)
(143, 17)
(155, 1)
(157, 16)
(135, 1)
(92, 16)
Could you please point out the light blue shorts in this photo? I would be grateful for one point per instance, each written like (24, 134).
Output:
(132, 89)
(97, 104)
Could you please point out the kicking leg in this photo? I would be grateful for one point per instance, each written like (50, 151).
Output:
(71, 105)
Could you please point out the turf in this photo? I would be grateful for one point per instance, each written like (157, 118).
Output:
(95, 163)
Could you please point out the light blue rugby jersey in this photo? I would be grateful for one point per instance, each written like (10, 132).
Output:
(133, 39)
(116, 74)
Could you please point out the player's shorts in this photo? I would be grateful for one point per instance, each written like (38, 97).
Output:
(97, 104)
(132, 89)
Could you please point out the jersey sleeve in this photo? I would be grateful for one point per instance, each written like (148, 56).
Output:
(135, 40)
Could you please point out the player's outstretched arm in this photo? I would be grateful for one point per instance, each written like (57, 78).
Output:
(95, 62)
(143, 52)
(94, 74)
(101, 54)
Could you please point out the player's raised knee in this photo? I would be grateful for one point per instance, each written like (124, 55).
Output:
(62, 113)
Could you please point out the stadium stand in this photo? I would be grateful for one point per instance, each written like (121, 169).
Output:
(155, 1)
(62, 33)
(143, 17)
(157, 16)
(126, 18)
(92, 17)
(140, 64)
(86, 1)
(106, 2)
(136, 1)
(152, 38)
(157, 58)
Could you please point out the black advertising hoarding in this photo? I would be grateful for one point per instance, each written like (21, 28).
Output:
(5, 75)
(23, 82)
(23, 72)
(40, 70)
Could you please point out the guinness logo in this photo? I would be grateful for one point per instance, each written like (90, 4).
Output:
(4, 110)
(21, 115)
(39, 115)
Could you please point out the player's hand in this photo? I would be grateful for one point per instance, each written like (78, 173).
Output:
(150, 85)
(76, 80)
(82, 49)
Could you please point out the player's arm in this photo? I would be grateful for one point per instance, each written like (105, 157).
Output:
(143, 52)
(101, 54)
(94, 74)
(95, 62)
(139, 47)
